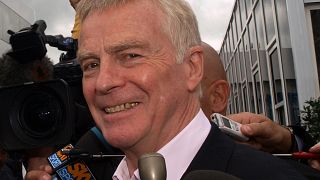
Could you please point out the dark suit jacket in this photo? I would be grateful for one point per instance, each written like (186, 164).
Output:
(221, 153)
(218, 152)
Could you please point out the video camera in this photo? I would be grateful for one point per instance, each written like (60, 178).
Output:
(49, 113)
(29, 43)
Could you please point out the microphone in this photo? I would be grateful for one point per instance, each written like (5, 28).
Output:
(209, 175)
(90, 151)
(152, 166)
(93, 142)
(66, 167)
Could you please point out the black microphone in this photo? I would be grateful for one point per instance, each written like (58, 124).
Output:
(209, 175)
(75, 161)
(152, 166)
(93, 142)
(65, 167)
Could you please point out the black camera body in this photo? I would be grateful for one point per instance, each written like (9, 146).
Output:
(36, 114)
(29, 43)
(48, 113)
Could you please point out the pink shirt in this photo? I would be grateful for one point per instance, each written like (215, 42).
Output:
(178, 153)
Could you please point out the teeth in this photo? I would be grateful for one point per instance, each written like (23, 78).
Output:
(121, 107)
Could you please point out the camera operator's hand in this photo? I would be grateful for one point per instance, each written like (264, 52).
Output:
(264, 134)
(42, 174)
(74, 3)
(315, 163)
(3, 157)
(38, 165)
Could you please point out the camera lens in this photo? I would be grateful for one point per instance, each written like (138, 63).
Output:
(36, 115)
(40, 114)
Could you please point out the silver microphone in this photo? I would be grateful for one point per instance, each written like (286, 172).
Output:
(152, 166)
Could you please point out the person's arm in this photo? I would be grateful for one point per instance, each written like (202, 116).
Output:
(315, 163)
(264, 134)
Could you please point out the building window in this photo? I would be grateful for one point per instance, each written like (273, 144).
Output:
(238, 21)
(315, 19)
(276, 76)
(268, 15)
(233, 33)
(253, 45)
(258, 92)
(248, 5)
(242, 63)
(243, 12)
(245, 97)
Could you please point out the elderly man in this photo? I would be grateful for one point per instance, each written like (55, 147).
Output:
(142, 65)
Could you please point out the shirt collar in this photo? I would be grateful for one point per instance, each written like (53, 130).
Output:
(179, 152)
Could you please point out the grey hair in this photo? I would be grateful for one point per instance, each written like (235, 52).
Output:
(180, 22)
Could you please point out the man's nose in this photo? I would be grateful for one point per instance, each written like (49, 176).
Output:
(110, 77)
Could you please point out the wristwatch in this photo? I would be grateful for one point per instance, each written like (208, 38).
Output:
(294, 145)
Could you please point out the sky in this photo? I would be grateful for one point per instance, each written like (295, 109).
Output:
(212, 15)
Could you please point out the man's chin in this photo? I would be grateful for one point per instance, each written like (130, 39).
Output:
(120, 140)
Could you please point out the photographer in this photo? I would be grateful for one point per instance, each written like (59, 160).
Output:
(47, 114)
(13, 73)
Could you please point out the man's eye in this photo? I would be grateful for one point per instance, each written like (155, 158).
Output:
(90, 66)
(132, 55)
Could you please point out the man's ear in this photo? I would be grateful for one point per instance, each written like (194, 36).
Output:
(219, 94)
(194, 63)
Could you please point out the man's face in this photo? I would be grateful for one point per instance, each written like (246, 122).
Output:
(135, 90)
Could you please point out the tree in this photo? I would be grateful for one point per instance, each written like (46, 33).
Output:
(311, 118)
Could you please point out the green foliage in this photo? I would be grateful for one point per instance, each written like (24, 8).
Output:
(311, 117)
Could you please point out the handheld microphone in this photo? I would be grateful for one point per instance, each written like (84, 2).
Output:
(209, 175)
(67, 168)
(152, 166)
(69, 160)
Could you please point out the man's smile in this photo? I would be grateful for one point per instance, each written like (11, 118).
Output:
(120, 107)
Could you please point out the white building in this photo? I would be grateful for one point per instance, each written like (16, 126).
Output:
(272, 57)
(14, 15)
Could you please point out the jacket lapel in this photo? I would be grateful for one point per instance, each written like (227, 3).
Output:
(214, 154)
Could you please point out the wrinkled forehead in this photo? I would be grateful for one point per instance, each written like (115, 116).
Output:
(131, 17)
(140, 11)
(88, 7)
(123, 27)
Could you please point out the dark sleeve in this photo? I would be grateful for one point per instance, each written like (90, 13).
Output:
(11, 170)
(304, 136)
(305, 170)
